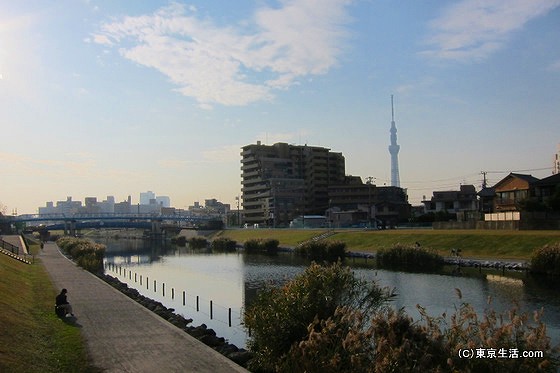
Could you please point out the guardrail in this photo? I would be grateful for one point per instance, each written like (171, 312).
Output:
(9, 247)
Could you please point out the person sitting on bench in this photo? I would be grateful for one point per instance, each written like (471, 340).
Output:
(62, 303)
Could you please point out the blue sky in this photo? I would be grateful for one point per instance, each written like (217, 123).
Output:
(103, 98)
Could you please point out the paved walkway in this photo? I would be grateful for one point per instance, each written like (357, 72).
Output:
(122, 335)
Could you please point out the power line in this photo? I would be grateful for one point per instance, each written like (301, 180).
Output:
(528, 170)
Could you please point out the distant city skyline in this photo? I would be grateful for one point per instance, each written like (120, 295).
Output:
(101, 97)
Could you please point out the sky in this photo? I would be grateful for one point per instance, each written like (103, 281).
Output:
(113, 98)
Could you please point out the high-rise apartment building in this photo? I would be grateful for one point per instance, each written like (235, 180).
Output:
(283, 181)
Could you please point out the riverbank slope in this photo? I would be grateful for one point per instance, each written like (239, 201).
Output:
(478, 244)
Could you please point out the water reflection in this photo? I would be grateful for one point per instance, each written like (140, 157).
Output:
(193, 278)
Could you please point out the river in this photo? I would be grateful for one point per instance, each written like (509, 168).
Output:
(213, 288)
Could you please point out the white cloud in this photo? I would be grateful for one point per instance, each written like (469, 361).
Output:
(473, 29)
(234, 65)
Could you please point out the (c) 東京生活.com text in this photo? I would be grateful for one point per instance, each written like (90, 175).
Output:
(498, 353)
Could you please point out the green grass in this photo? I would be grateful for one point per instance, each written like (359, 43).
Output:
(287, 237)
(32, 338)
(473, 243)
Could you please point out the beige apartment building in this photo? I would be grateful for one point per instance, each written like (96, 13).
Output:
(282, 181)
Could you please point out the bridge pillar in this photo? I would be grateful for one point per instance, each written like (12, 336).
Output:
(72, 228)
(66, 227)
(156, 228)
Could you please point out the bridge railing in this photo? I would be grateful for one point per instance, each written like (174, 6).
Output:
(111, 216)
(8, 246)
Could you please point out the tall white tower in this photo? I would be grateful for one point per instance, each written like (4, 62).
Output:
(394, 150)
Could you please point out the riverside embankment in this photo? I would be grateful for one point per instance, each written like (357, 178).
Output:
(491, 246)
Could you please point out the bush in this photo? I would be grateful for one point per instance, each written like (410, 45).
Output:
(330, 251)
(179, 240)
(546, 260)
(393, 342)
(86, 253)
(260, 246)
(280, 318)
(197, 243)
(409, 258)
(504, 333)
(224, 244)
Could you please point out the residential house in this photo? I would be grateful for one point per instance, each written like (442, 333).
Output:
(462, 202)
(512, 190)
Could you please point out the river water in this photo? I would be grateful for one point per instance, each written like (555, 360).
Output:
(189, 280)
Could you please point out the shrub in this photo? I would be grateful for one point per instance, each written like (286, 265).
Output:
(546, 260)
(341, 343)
(179, 240)
(87, 254)
(393, 342)
(224, 244)
(409, 258)
(280, 318)
(197, 243)
(326, 320)
(503, 332)
(330, 251)
(260, 246)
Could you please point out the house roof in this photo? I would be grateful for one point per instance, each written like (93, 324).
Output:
(551, 180)
(527, 178)
(487, 192)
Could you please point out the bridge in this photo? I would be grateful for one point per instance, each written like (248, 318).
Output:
(72, 222)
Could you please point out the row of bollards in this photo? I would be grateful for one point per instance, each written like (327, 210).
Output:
(146, 282)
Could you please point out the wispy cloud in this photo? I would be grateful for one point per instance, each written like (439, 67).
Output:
(471, 30)
(239, 64)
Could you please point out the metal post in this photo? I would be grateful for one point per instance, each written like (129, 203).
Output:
(210, 310)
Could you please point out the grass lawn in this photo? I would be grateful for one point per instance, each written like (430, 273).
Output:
(32, 338)
(493, 244)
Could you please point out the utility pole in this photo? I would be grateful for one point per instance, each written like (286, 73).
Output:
(483, 173)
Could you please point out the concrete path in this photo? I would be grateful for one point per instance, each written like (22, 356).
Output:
(122, 335)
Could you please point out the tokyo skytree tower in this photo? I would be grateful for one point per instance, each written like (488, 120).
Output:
(394, 151)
